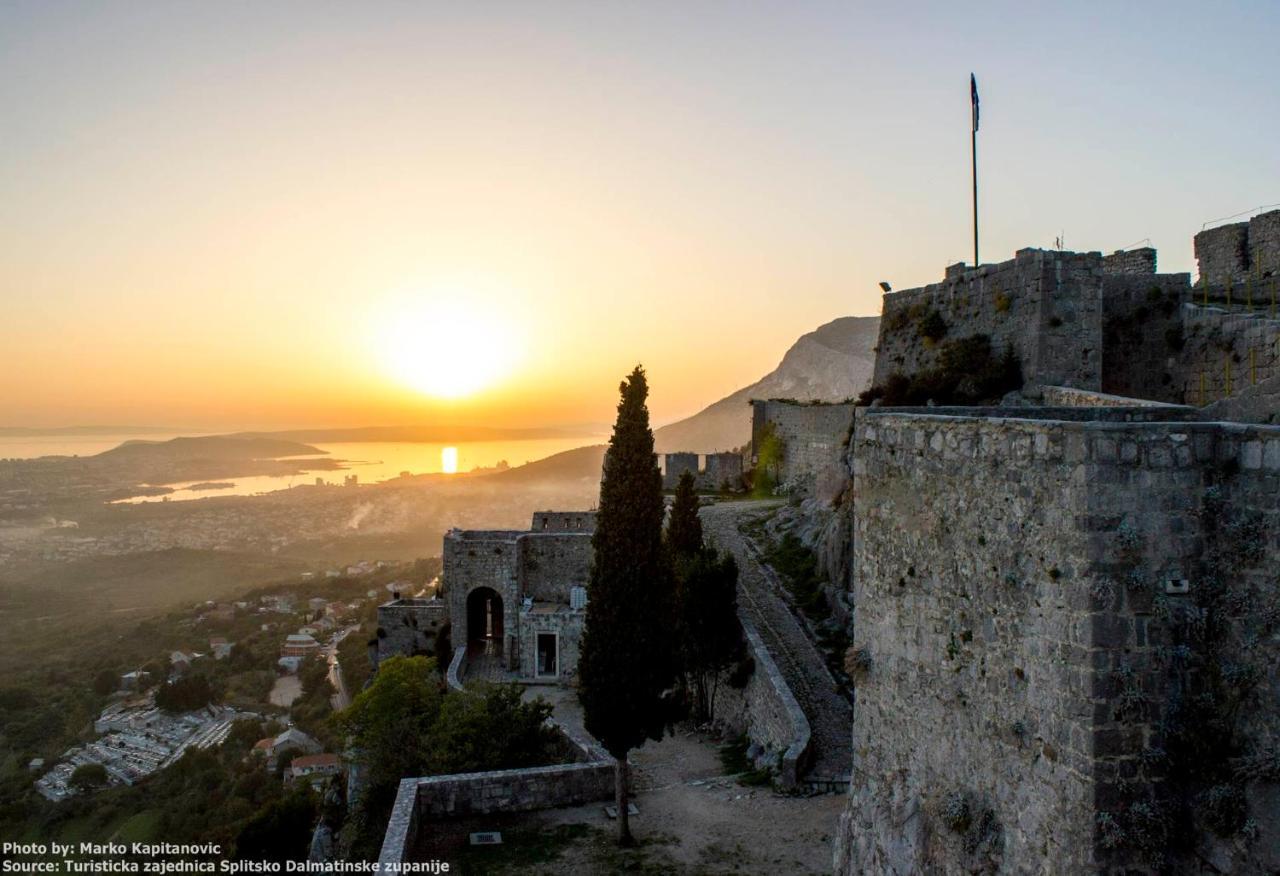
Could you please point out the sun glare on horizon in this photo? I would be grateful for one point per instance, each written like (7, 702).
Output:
(445, 348)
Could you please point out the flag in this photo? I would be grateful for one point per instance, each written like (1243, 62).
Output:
(973, 97)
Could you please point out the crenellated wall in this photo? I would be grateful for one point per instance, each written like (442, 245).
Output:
(1044, 305)
(1240, 250)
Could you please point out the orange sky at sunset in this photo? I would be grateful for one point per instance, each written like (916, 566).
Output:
(246, 215)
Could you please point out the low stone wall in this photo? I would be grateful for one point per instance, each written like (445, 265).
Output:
(767, 711)
(589, 777)
(1068, 397)
(1257, 404)
(461, 794)
(457, 667)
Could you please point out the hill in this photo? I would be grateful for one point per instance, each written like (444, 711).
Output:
(412, 434)
(581, 463)
(831, 363)
(220, 447)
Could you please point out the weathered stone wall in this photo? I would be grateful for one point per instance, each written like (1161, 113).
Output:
(1065, 396)
(1223, 252)
(554, 562)
(1235, 252)
(563, 521)
(1013, 585)
(474, 559)
(721, 469)
(1045, 305)
(676, 464)
(567, 624)
(1142, 334)
(409, 626)
(422, 800)
(1225, 352)
(1131, 261)
(813, 436)
(968, 597)
(767, 712)
(1256, 404)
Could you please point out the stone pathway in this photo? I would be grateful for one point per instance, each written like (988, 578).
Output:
(829, 712)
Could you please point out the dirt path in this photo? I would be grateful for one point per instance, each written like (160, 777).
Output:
(829, 712)
(693, 821)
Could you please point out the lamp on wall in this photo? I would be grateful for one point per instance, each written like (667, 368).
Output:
(884, 287)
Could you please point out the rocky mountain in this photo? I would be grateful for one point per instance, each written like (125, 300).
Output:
(831, 363)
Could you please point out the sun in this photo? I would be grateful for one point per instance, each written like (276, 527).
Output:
(445, 348)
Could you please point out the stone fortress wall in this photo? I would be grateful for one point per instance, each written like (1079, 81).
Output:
(813, 437)
(1046, 306)
(1070, 614)
(721, 471)
(408, 626)
(1240, 251)
(995, 594)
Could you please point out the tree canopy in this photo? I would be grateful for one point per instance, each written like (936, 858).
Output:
(684, 528)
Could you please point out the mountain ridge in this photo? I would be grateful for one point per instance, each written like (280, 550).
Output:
(832, 363)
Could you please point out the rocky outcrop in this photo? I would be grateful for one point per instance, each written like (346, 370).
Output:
(831, 363)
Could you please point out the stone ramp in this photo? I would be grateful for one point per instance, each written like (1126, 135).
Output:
(829, 713)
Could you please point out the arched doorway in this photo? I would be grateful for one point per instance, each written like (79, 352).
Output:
(484, 621)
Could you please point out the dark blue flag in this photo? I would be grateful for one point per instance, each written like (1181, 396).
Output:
(973, 96)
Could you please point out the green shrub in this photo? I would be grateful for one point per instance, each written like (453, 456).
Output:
(967, 373)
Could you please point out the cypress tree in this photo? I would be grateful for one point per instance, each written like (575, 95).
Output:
(710, 634)
(684, 528)
(626, 667)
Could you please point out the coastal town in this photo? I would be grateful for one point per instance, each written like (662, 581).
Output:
(136, 736)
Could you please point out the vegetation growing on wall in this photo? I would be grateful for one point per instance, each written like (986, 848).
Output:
(968, 373)
(770, 453)
(1198, 760)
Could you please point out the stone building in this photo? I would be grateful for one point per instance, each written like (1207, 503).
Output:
(520, 595)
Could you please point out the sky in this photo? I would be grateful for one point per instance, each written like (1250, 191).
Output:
(269, 215)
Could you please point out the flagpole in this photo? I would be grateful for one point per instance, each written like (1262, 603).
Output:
(973, 153)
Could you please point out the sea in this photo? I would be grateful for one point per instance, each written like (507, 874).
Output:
(370, 462)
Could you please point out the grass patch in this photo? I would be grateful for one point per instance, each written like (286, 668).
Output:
(734, 761)
(798, 567)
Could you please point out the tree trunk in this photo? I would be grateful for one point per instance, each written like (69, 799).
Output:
(623, 802)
